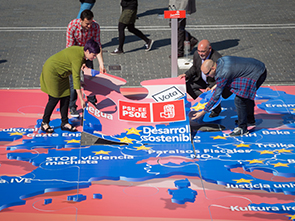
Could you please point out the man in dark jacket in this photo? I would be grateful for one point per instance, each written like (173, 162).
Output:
(196, 79)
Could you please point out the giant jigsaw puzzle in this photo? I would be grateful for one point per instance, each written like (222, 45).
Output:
(138, 156)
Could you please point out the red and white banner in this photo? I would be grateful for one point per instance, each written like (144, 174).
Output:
(175, 14)
(152, 112)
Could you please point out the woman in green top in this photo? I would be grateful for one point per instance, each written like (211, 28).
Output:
(55, 80)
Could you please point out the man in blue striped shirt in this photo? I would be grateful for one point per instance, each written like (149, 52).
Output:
(241, 76)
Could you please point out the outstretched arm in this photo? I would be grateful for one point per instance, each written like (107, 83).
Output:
(100, 61)
(80, 96)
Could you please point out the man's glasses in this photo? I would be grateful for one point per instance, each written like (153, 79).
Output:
(208, 72)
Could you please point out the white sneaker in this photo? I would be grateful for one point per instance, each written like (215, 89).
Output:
(238, 132)
(149, 45)
(74, 112)
(117, 52)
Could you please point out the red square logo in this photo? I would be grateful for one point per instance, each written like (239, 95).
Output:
(134, 111)
(169, 111)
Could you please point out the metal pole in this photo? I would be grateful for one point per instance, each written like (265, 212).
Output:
(174, 47)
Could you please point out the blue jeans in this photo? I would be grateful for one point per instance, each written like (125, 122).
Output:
(85, 6)
(245, 110)
(245, 106)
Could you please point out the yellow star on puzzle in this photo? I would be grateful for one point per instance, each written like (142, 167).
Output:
(284, 151)
(143, 148)
(73, 141)
(16, 133)
(126, 140)
(242, 145)
(266, 152)
(292, 217)
(242, 180)
(281, 165)
(199, 107)
(219, 137)
(255, 161)
(101, 152)
(133, 131)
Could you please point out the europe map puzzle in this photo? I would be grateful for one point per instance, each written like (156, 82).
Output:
(137, 155)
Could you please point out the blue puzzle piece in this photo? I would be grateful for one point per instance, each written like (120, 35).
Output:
(47, 201)
(97, 196)
(77, 198)
(183, 194)
(182, 183)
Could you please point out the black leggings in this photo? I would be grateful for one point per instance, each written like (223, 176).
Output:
(64, 106)
(132, 29)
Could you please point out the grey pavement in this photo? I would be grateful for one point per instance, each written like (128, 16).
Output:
(31, 31)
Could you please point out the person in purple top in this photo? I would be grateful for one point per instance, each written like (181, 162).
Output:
(238, 75)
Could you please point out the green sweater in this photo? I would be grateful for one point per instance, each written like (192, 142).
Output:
(54, 78)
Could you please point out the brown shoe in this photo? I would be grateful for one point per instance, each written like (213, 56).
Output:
(193, 43)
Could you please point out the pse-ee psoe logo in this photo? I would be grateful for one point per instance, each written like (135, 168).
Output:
(169, 111)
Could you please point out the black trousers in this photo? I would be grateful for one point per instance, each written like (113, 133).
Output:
(193, 88)
(51, 104)
(183, 35)
(133, 30)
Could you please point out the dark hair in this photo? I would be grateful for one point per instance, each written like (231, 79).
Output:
(86, 14)
(92, 46)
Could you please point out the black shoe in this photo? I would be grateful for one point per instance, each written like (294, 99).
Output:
(92, 99)
(68, 127)
(117, 52)
(193, 43)
(149, 45)
(213, 114)
(238, 132)
(46, 128)
(74, 112)
(216, 111)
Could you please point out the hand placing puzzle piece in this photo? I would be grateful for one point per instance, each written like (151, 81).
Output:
(205, 97)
